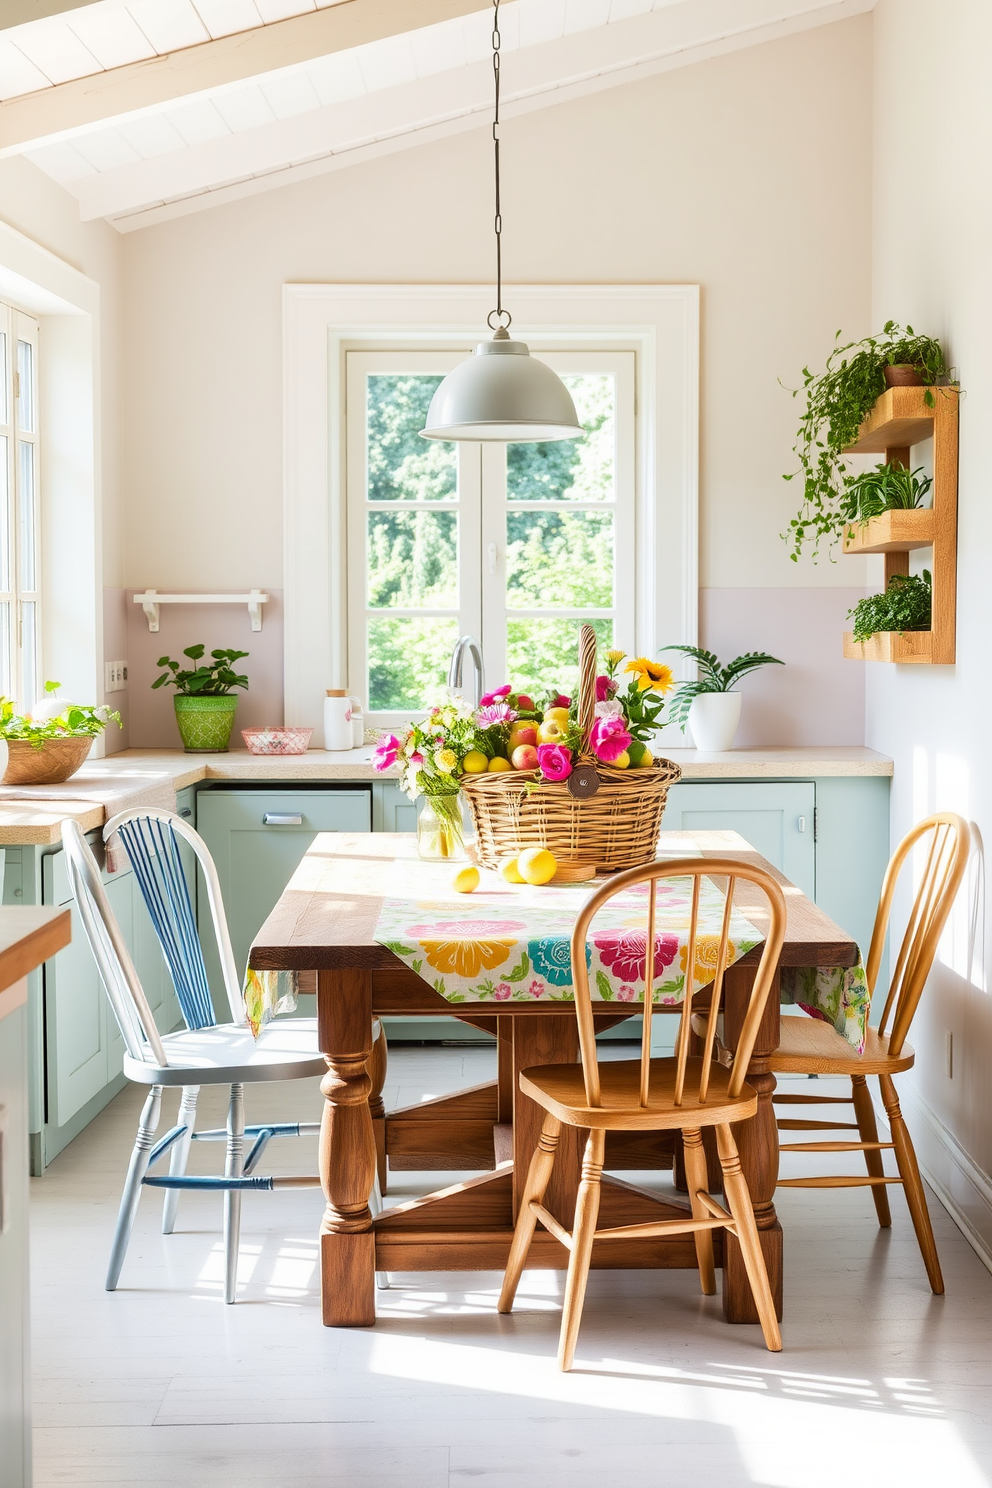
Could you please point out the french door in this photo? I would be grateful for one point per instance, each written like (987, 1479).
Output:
(514, 544)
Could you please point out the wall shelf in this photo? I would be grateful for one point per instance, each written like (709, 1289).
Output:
(899, 420)
(150, 600)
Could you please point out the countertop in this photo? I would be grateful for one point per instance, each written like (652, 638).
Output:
(34, 814)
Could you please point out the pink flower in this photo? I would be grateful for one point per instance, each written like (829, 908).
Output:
(536, 988)
(385, 752)
(625, 994)
(495, 713)
(554, 761)
(503, 990)
(605, 687)
(416, 758)
(625, 952)
(560, 701)
(497, 696)
(608, 708)
(608, 739)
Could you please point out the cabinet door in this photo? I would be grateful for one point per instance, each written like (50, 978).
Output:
(776, 818)
(15, 1377)
(392, 809)
(256, 839)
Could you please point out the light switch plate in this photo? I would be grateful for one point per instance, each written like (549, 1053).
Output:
(115, 676)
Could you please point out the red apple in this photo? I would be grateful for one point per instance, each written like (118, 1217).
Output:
(524, 703)
(524, 757)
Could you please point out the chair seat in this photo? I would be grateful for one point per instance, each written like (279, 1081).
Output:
(560, 1089)
(809, 1046)
(286, 1049)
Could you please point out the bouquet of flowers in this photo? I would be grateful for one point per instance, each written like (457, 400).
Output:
(509, 732)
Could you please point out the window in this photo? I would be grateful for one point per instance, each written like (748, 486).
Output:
(514, 544)
(20, 563)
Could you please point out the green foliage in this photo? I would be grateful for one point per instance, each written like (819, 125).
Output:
(837, 402)
(905, 605)
(713, 677)
(74, 720)
(212, 679)
(886, 488)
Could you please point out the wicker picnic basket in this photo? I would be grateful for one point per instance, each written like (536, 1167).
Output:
(615, 828)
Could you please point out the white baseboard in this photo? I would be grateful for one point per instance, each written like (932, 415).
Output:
(962, 1187)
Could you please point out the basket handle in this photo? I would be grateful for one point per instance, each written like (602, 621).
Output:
(587, 679)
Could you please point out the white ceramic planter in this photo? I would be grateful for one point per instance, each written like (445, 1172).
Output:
(713, 720)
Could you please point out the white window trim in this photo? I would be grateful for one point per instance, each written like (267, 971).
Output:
(322, 321)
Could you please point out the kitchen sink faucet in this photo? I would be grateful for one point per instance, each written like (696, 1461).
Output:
(463, 644)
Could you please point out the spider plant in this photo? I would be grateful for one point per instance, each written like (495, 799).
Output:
(886, 488)
(712, 677)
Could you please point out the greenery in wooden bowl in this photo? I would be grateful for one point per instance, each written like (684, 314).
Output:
(906, 605)
(53, 718)
(838, 400)
(886, 488)
(712, 677)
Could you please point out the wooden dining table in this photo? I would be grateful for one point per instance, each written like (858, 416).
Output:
(325, 923)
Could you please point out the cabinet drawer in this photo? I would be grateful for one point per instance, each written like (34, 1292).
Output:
(776, 818)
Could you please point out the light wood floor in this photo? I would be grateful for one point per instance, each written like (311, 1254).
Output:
(161, 1383)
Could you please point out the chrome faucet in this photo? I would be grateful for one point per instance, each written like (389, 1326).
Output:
(467, 643)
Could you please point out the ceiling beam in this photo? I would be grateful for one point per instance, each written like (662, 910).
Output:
(20, 12)
(51, 113)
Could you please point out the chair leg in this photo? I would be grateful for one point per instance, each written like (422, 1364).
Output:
(864, 1113)
(538, 1178)
(909, 1172)
(697, 1180)
(738, 1198)
(583, 1234)
(233, 1167)
(179, 1156)
(137, 1168)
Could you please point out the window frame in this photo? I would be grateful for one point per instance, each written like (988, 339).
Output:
(21, 329)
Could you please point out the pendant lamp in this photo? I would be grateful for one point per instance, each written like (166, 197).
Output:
(501, 392)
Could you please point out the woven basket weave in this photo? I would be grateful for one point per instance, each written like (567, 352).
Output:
(616, 828)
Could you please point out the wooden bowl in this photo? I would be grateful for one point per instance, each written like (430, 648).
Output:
(54, 762)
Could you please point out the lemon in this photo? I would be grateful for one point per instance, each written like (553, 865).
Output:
(646, 760)
(475, 762)
(536, 865)
(622, 761)
(466, 879)
(508, 868)
(498, 765)
(557, 715)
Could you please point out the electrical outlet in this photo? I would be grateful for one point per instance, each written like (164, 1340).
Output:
(115, 676)
(948, 1054)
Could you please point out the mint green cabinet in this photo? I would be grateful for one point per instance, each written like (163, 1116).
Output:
(15, 1375)
(257, 838)
(776, 817)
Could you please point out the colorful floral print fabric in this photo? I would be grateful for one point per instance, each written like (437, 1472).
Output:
(836, 994)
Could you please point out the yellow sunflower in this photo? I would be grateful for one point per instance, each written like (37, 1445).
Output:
(707, 955)
(653, 675)
(466, 958)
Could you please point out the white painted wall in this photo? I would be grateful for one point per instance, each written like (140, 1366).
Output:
(932, 230)
(725, 174)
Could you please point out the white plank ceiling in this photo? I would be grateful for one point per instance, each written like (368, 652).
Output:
(200, 146)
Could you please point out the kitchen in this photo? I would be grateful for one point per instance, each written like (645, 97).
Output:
(212, 311)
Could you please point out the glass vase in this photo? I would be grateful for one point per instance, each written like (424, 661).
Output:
(440, 837)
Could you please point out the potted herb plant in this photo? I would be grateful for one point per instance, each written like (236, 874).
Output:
(906, 605)
(838, 400)
(886, 488)
(48, 745)
(709, 705)
(204, 700)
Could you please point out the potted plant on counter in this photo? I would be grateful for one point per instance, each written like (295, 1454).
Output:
(838, 400)
(48, 745)
(204, 700)
(709, 705)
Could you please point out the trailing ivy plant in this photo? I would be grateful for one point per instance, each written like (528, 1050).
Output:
(53, 719)
(886, 488)
(712, 677)
(906, 605)
(213, 679)
(838, 400)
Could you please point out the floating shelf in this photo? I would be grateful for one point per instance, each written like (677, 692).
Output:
(891, 532)
(899, 420)
(151, 599)
(890, 645)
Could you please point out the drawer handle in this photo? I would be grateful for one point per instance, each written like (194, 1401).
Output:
(186, 811)
(281, 819)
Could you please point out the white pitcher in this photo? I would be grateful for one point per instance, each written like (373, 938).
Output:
(337, 719)
(357, 723)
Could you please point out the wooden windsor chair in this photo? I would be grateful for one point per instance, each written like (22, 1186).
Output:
(811, 1047)
(683, 1093)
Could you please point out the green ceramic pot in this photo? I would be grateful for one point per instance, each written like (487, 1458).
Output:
(205, 723)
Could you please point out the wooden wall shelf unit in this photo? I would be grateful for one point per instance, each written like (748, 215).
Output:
(899, 420)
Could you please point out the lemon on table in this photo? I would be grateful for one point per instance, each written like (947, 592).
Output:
(498, 765)
(475, 762)
(466, 879)
(536, 865)
(509, 870)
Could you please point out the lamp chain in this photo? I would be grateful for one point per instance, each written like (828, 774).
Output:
(499, 312)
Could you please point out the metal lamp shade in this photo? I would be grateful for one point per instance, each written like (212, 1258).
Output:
(502, 393)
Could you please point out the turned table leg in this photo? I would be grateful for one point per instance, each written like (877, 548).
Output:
(347, 1149)
(757, 1144)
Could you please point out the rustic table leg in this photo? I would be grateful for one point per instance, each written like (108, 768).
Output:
(377, 1074)
(347, 1149)
(757, 1144)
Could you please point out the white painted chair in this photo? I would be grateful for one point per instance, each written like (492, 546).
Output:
(205, 1052)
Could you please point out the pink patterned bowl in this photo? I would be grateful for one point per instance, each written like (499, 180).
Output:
(277, 739)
